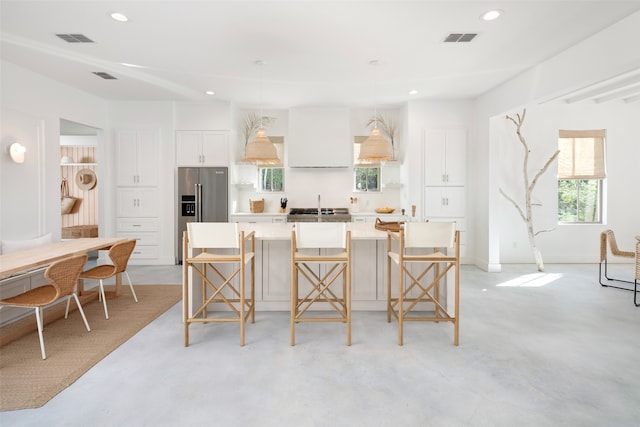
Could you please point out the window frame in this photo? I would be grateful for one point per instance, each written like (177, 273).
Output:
(278, 141)
(575, 166)
(359, 165)
(269, 170)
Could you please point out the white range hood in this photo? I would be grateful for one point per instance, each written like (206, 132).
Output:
(319, 138)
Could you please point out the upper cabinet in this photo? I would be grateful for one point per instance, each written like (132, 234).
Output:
(202, 148)
(136, 156)
(319, 137)
(445, 157)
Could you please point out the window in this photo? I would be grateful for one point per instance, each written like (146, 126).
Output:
(271, 178)
(366, 175)
(581, 174)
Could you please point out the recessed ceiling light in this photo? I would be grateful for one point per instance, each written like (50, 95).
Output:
(491, 15)
(210, 92)
(119, 17)
(413, 92)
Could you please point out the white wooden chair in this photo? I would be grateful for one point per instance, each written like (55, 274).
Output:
(321, 254)
(422, 267)
(219, 244)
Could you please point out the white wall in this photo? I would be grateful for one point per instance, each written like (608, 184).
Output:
(29, 100)
(569, 243)
(591, 61)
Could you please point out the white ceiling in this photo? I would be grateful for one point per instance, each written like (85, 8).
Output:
(316, 52)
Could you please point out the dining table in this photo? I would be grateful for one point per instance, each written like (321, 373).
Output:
(25, 260)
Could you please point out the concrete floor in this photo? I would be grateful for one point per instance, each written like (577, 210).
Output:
(553, 349)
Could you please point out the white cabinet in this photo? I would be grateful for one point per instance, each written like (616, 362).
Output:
(137, 158)
(444, 201)
(366, 217)
(363, 276)
(276, 270)
(145, 232)
(444, 161)
(202, 148)
(445, 157)
(258, 218)
(134, 202)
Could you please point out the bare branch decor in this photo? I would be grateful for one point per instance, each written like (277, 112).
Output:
(387, 126)
(249, 126)
(527, 213)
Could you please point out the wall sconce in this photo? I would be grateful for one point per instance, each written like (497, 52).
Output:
(16, 151)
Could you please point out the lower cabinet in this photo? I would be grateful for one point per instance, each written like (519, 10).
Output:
(276, 270)
(364, 275)
(146, 233)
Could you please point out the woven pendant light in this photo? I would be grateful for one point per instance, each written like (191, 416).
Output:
(375, 148)
(261, 151)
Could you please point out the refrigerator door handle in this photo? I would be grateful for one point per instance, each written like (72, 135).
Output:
(198, 202)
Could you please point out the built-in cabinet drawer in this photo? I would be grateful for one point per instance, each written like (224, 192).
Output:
(258, 218)
(146, 233)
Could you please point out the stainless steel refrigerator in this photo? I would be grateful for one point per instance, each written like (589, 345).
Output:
(202, 197)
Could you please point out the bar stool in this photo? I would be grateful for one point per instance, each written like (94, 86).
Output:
(321, 254)
(220, 244)
(422, 267)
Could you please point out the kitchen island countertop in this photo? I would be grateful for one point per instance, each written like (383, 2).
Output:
(282, 231)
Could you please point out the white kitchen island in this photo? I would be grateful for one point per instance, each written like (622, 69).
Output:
(273, 274)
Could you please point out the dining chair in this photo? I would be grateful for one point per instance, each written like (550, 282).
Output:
(321, 255)
(62, 277)
(637, 275)
(424, 254)
(221, 265)
(608, 240)
(119, 255)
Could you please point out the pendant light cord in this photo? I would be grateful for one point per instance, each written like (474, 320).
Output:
(374, 63)
(260, 63)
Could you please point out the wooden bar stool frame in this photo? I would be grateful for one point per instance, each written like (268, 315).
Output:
(338, 266)
(241, 307)
(437, 262)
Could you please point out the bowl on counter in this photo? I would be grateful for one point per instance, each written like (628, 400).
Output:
(385, 210)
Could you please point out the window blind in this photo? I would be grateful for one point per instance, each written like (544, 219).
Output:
(581, 154)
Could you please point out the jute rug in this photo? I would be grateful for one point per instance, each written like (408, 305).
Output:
(28, 381)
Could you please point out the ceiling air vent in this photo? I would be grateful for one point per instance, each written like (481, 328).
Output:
(104, 75)
(459, 37)
(75, 38)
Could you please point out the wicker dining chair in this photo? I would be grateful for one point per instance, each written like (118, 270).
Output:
(608, 238)
(62, 276)
(637, 275)
(119, 254)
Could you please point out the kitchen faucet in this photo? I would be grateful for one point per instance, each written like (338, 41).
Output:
(319, 210)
